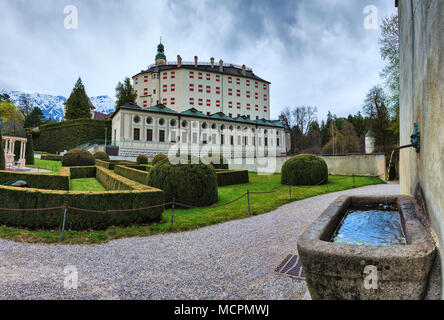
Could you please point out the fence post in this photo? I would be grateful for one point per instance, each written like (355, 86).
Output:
(172, 215)
(64, 220)
(289, 188)
(248, 199)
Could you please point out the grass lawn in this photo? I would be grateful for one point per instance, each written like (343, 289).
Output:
(54, 166)
(196, 218)
(86, 184)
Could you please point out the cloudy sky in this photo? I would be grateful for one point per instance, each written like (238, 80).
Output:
(314, 52)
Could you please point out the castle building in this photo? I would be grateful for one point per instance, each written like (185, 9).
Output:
(198, 106)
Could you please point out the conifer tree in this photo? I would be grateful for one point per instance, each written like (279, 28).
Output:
(77, 105)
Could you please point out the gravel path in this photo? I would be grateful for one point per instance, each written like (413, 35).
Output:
(233, 260)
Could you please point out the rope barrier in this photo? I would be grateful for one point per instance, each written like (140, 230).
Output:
(27, 210)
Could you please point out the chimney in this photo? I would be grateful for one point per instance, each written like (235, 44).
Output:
(244, 73)
(212, 62)
(221, 65)
(179, 61)
(195, 61)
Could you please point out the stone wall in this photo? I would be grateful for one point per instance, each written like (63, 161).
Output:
(360, 165)
(421, 100)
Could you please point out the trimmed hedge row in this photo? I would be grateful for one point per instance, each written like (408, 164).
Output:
(138, 167)
(230, 177)
(112, 163)
(82, 172)
(51, 157)
(113, 181)
(11, 197)
(133, 174)
(66, 135)
(39, 180)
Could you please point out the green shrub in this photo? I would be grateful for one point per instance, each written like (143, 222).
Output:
(132, 174)
(113, 181)
(230, 177)
(78, 158)
(159, 158)
(29, 152)
(101, 156)
(112, 163)
(38, 180)
(191, 184)
(2, 153)
(66, 135)
(218, 161)
(142, 159)
(79, 220)
(51, 157)
(82, 172)
(304, 169)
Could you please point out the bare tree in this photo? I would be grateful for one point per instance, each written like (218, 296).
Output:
(304, 117)
(25, 104)
(375, 108)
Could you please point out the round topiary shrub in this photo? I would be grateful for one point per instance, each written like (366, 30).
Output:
(158, 158)
(78, 158)
(304, 170)
(101, 156)
(142, 159)
(190, 184)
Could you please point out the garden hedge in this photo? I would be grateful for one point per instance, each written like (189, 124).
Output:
(304, 169)
(142, 159)
(190, 184)
(78, 157)
(39, 180)
(132, 174)
(230, 177)
(112, 163)
(82, 172)
(218, 161)
(2, 152)
(101, 156)
(29, 151)
(66, 135)
(51, 157)
(113, 181)
(11, 197)
(159, 157)
(138, 167)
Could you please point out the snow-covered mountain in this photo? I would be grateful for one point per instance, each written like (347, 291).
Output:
(52, 106)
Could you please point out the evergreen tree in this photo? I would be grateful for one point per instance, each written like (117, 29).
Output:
(77, 105)
(375, 108)
(351, 140)
(125, 93)
(35, 118)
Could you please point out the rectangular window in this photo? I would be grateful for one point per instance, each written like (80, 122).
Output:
(230, 104)
(204, 138)
(164, 101)
(173, 101)
(191, 101)
(136, 135)
(194, 137)
(173, 136)
(277, 142)
(238, 93)
(208, 77)
(200, 102)
(254, 141)
(265, 97)
(191, 74)
(265, 86)
(165, 75)
(221, 139)
(256, 85)
(161, 135)
(248, 83)
(238, 105)
(248, 94)
(200, 88)
(230, 80)
(230, 92)
(145, 79)
(217, 90)
(213, 139)
(256, 95)
(266, 141)
(218, 103)
(217, 78)
(208, 89)
(256, 107)
(145, 91)
(173, 87)
(246, 141)
(237, 81)
(200, 75)
(149, 135)
(165, 88)
(248, 106)
(232, 140)
(145, 103)
(184, 137)
(173, 75)
(208, 103)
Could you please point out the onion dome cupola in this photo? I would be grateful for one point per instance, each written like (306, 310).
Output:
(160, 56)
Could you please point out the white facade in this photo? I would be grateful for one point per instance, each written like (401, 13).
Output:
(198, 109)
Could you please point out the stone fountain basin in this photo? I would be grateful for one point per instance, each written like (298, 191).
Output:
(336, 271)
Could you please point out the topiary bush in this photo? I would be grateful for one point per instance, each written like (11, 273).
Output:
(191, 184)
(101, 156)
(159, 158)
(29, 151)
(78, 158)
(142, 159)
(304, 169)
(2, 153)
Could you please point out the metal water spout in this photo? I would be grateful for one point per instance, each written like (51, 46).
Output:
(415, 140)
